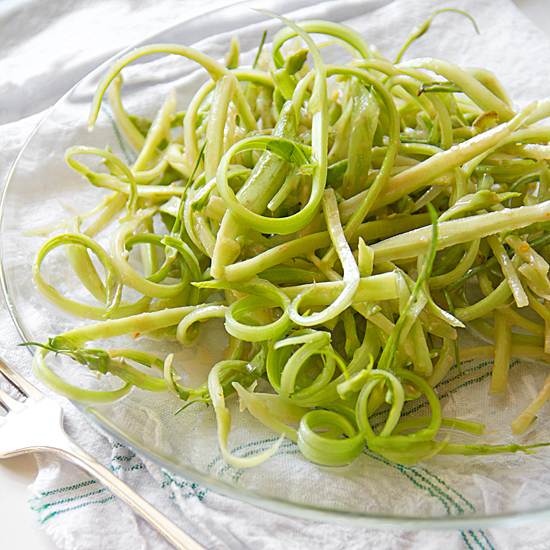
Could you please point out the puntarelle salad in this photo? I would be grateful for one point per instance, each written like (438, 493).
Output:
(306, 204)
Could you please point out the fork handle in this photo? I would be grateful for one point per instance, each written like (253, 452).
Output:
(82, 459)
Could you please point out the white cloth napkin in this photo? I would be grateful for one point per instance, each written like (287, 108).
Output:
(46, 48)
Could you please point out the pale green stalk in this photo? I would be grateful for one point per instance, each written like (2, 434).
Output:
(223, 420)
(223, 94)
(424, 173)
(461, 268)
(215, 69)
(453, 232)
(160, 129)
(351, 276)
(131, 133)
(502, 349)
(468, 84)
(509, 271)
(526, 418)
(48, 377)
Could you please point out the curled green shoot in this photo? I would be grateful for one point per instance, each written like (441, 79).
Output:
(421, 28)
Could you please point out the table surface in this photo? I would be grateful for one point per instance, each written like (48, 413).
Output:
(18, 524)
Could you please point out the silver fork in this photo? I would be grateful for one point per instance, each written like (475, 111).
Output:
(36, 425)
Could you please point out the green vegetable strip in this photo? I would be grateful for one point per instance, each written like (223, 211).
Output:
(108, 208)
(84, 268)
(101, 179)
(223, 419)
(132, 134)
(225, 88)
(159, 130)
(460, 231)
(77, 308)
(412, 331)
(133, 324)
(263, 407)
(309, 243)
(469, 85)
(421, 28)
(128, 275)
(262, 184)
(543, 310)
(191, 114)
(350, 36)
(390, 348)
(444, 363)
(238, 310)
(287, 150)
(318, 109)
(503, 347)
(515, 319)
(473, 450)
(364, 113)
(202, 314)
(527, 416)
(215, 69)
(508, 269)
(351, 277)
(312, 343)
(44, 373)
(327, 449)
(157, 192)
(381, 181)
(377, 287)
(461, 268)
(397, 401)
(326, 390)
(424, 173)
(486, 305)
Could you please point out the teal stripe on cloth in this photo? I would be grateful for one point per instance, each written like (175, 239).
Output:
(71, 509)
(64, 489)
(449, 498)
(186, 488)
(378, 418)
(66, 500)
(72, 499)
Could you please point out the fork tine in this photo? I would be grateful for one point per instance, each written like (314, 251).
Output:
(22, 385)
(9, 403)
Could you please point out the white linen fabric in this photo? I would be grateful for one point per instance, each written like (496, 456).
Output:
(45, 49)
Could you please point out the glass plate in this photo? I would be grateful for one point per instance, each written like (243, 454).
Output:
(443, 492)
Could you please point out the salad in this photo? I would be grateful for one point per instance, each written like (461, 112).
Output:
(346, 221)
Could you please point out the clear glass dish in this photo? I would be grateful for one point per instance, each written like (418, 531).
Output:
(444, 492)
